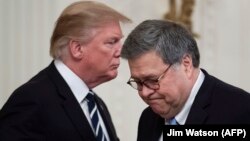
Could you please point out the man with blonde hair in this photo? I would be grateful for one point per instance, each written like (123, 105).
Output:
(58, 104)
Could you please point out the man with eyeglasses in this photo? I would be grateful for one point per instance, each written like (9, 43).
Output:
(164, 59)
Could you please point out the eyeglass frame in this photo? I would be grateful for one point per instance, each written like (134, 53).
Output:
(139, 84)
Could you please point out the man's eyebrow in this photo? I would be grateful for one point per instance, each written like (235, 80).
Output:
(150, 77)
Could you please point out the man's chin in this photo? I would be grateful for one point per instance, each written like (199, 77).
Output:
(112, 75)
(157, 110)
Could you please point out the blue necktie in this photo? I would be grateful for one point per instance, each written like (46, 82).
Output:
(94, 117)
(173, 121)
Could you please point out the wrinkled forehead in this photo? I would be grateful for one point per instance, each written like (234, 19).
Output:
(145, 64)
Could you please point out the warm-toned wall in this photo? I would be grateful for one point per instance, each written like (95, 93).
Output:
(26, 26)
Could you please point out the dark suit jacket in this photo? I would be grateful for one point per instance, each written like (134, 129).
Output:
(215, 103)
(45, 109)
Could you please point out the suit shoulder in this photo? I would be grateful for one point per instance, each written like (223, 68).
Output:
(32, 90)
(215, 85)
(222, 87)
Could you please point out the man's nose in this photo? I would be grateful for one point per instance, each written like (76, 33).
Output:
(146, 92)
(118, 50)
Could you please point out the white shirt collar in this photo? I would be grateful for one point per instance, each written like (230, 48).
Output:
(77, 86)
(182, 116)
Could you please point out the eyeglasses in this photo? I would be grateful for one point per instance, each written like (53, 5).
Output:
(150, 83)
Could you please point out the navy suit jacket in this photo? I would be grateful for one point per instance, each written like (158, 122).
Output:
(45, 109)
(215, 103)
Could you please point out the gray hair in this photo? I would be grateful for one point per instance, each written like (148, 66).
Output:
(170, 40)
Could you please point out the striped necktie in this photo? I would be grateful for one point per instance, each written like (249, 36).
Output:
(94, 117)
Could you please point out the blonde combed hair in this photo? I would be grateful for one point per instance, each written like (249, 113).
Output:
(77, 21)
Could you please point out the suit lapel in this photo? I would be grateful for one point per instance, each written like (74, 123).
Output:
(158, 128)
(70, 105)
(198, 113)
(78, 118)
(150, 126)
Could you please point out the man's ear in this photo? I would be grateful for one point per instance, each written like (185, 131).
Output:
(188, 64)
(76, 49)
